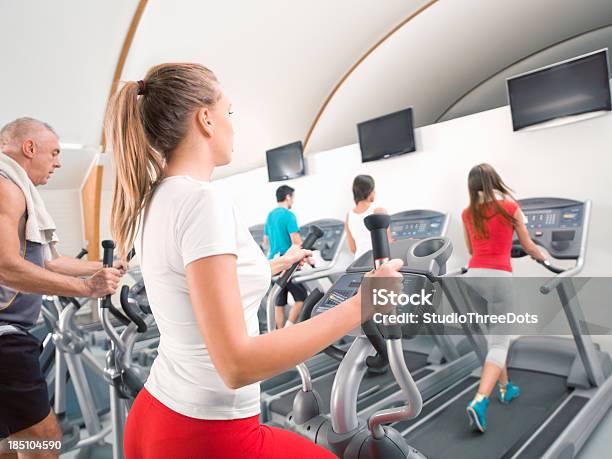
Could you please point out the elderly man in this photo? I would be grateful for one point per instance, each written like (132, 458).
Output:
(30, 267)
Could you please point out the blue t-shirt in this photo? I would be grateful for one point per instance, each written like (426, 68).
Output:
(281, 222)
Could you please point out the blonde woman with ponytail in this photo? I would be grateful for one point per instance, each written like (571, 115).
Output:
(205, 277)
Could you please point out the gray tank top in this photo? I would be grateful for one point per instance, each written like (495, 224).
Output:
(18, 308)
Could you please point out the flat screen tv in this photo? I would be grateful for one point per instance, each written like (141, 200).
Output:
(387, 136)
(286, 162)
(566, 89)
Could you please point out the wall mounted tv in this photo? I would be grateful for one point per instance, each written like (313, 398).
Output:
(286, 162)
(560, 91)
(387, 136)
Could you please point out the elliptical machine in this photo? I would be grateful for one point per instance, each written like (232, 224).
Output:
(126, 379)
(342, 431)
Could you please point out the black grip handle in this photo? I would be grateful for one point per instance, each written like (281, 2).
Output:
(309, 304)
(130, 309)
(65, 300)
(81, 254)
(378, 224)
(108, 248)
(381, 359)
(314, 234)
(120, 317)
(551, 268)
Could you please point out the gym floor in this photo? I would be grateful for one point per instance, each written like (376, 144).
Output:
(597, 446)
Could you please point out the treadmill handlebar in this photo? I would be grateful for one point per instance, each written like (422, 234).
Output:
(314, 234)
(552, 284)
(552, 268)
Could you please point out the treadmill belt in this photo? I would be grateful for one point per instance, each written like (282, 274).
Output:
(323, 386)
(551, 432)
(448, 433)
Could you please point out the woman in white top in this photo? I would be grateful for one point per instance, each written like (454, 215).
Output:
(357, 235)
(205, 277)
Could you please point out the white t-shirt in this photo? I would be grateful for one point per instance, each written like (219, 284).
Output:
(361, 235)
(187, 220)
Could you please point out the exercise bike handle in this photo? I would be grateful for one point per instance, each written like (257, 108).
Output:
(314, 233)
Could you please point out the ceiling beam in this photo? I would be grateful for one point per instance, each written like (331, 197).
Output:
(356, 64)
(91, 191)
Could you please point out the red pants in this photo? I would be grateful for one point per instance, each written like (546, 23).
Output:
(155, 431)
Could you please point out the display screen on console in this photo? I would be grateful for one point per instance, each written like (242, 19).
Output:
(417, 229)
(567, 217)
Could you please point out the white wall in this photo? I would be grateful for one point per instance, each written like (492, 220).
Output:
(65, 208)
(573, 161)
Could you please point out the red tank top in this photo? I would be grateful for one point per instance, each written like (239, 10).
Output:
(492, 252)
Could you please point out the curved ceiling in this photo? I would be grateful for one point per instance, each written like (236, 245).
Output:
(58, 59)
(443, 52)
(277, 60)
(491, 93)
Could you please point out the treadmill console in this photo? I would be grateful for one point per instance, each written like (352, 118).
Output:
(329, 243)
(257, 231)
(418, 224)
(556, 224)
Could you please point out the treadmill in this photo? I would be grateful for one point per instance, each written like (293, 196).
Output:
(566, 384)
(437, 365)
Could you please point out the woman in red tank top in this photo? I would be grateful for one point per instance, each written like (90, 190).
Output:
(489, 224)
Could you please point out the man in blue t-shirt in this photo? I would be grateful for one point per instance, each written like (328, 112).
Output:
(280, 232)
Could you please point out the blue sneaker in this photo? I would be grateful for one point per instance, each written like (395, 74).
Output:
(477, 414)
(510, 394)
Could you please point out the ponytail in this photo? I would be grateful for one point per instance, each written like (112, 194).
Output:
(138, 166)
(483, 182)
(145, 121)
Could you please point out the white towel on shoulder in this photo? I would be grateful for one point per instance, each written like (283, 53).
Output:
(40, 227)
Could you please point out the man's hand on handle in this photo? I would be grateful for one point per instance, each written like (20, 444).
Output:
(102, 283)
